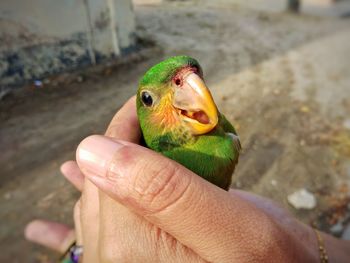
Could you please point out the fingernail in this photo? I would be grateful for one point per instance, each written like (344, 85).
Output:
(95, 153)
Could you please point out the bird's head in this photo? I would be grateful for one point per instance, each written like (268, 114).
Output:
(172, 95)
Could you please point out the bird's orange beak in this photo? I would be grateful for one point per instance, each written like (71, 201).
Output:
(195, 104)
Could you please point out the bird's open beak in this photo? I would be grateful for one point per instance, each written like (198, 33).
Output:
(195, 104)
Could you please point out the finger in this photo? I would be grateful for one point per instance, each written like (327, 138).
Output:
(50, 234)
(125, 124)
(126, 237)
(72, 173)
(89, 215)
(77, 223)
(119, 226)
(175, 199)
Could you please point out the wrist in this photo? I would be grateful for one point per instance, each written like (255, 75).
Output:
(295, 243)
(323, 255)
(337, 250)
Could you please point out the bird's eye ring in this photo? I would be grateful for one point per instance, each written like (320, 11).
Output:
(147, 99)
(177, 81)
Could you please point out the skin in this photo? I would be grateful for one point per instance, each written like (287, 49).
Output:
(183, 122)
(146, 226)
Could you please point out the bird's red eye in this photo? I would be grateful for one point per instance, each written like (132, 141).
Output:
(177, 81)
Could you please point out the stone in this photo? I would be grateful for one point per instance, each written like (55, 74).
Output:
(346, 233)
(337, 228)
(302, 199)
(7, 196)
(346, 124)
(38, 83)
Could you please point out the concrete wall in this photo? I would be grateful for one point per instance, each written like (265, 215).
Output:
(42, 37)
(327, 7)
(147, 2)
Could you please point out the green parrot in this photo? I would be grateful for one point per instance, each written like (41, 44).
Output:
(179, 118)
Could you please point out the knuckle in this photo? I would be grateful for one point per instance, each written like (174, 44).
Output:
(161, 238)
(160, 186)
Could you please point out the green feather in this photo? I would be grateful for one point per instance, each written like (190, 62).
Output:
(162, 72)
(212, 156)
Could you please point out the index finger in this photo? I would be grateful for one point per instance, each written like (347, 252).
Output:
(95, 205)
(125, 124)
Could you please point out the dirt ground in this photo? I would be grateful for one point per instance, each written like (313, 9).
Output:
(283, 80)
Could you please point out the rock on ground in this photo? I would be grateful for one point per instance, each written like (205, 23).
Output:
(302, 199)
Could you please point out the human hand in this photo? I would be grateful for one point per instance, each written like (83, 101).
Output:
(175, 206)
(162, 212)
(181, 217)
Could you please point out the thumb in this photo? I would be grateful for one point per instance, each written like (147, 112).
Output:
(200, 215)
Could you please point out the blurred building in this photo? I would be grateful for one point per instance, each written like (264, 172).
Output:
(42, 37)
(39, 38)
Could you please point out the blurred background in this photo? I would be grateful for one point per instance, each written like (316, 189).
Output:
(278, 69)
